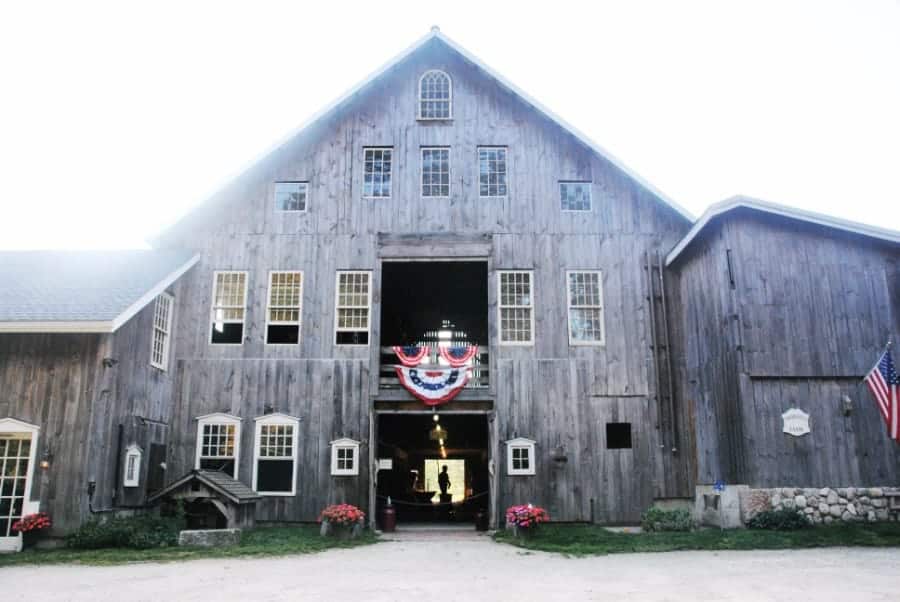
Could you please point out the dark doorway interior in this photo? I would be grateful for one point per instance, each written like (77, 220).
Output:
(419, 299)
(413, 444)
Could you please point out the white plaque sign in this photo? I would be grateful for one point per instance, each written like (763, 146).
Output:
(385, 463)
(796, 422)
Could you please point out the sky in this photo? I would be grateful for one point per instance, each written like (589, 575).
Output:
(116, 118)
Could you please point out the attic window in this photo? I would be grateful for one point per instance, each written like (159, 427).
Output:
(435, 95)
(291, 196)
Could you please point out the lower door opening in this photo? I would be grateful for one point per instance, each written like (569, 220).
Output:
(434, 471)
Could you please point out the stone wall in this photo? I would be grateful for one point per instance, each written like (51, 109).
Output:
(825, 505)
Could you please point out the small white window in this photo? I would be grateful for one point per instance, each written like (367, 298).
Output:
(218, 443)
(575, 196)
(229, 308)
(435, 95)
(516, 308)
(585, 300)
(162, 329)
(353, 302)
(520, 457)
(436, 172)
(377, 165)
(492, 171)
(133, 455)
(275, 455)
(345, 457)
(291, 196)
(284, 311)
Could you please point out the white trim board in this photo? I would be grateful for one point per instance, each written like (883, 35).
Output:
(435, 33)
(784, 211)
(100, 326)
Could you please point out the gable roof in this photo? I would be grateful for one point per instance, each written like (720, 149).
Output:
(231, 489)
(746, 202)
(82, 291)
(435, 34)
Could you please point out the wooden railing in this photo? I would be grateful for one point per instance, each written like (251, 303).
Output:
(479, 370)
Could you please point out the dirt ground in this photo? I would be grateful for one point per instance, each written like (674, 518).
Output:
(466, 567)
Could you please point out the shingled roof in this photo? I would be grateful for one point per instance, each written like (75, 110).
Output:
(218, 481)
(82, 291)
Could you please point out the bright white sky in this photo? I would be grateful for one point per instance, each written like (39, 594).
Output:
(115, 120)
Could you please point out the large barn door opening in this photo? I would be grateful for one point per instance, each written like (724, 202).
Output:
(434, 471)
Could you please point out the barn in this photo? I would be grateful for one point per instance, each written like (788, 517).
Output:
(436, 207)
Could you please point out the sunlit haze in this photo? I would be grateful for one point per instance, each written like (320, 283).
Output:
(117, 118)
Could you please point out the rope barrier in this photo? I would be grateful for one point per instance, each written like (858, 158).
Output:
(397, 502)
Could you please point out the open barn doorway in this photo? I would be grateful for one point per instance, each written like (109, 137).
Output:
(413, 451)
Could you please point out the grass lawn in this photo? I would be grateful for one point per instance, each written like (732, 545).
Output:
(581, 540)
(264, 541)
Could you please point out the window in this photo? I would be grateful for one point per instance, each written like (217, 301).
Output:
(618, 435)
(274, 465)
(218, 443)
(229, 307)
(353, 301)
(377, 172)
(492, 171)
(162, 328)
(345, 457)
(435, 172)
(18, 449)
(585, 294)
(291, 196)
(520, 457)
(283, 314)
(575, 196)
(435, 95)
(516, 308)
(133, 455)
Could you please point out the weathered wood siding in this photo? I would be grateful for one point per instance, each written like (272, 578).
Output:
(809, 313)
(240, 230)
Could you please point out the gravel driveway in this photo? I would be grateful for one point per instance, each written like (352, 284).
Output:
(463, 568)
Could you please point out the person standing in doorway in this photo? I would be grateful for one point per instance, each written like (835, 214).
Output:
(444, 481)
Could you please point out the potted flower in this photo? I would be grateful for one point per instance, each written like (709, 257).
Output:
(524, 519)
(30, 526)
(342, 520)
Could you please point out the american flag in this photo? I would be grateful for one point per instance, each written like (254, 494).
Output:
(885, 386)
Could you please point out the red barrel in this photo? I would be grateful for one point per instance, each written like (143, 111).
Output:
(388, 519)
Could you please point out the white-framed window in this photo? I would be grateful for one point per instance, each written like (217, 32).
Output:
(377, 172)
(218, 443)
(492, 171)
(515, 307)
(584, 289)
(229, 308)
(275, 455)
(435, 95)
(162, 330)
(435, 171)
(353, 305)
(18, 452)
(284, 312)
(132, 476)
(291, 196)
(345, 457)
(520, 457)
(575, 196)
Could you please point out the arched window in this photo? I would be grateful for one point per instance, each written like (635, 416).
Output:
(435, 95)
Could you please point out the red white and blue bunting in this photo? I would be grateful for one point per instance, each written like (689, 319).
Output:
(458, 357)
(433, 387)
(410, 356)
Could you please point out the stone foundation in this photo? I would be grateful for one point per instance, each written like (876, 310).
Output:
(826, 505)
(210, 537)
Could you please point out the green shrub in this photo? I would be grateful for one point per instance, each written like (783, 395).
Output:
(139, 532)
(655, 519)
(784, 519)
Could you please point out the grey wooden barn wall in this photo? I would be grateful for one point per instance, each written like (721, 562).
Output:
(550, 392)
(809, 313)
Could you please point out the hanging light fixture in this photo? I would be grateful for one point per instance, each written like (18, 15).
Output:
(438, 433)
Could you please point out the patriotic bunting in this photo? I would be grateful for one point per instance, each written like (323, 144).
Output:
(458, 357)
(410, 356)
(433, 387)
